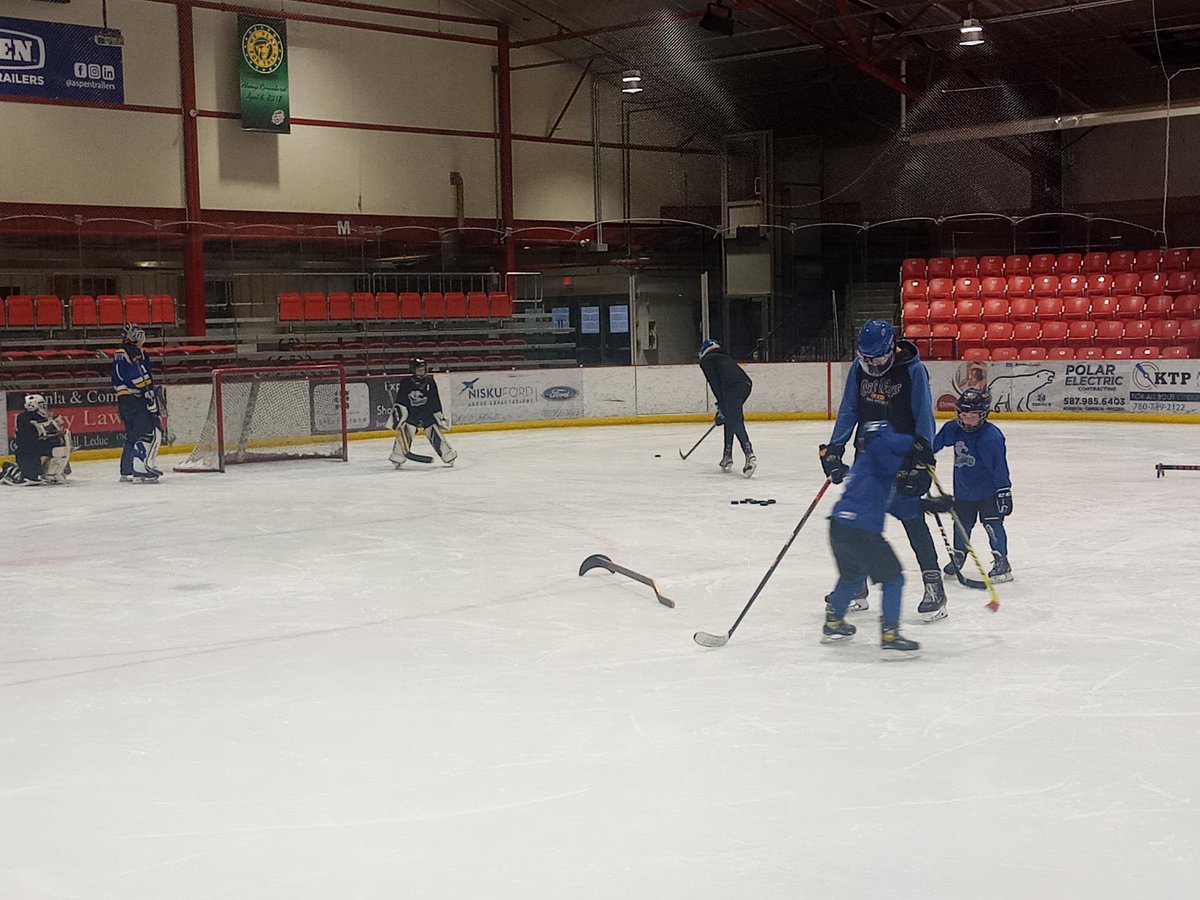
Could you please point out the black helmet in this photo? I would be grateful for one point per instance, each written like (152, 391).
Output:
(974, 400)
(417, 362)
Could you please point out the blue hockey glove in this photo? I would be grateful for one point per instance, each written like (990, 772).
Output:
(831, 462)
(1004, 501)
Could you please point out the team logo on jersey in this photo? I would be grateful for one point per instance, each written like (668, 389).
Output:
(262, 48)
(879, 390)
(962, 456)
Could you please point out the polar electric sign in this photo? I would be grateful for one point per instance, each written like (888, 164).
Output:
(65, 62)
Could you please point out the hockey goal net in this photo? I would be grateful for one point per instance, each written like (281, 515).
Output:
(268, 414)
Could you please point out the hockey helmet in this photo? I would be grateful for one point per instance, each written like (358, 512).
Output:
(417, 362)
(973, 400)
(35, 403)
(706, 345)
(876, 347)
(133, 334)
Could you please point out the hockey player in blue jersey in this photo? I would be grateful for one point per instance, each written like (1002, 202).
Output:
(890, 384)
(982, 486)
(137, 404)
(882, 469)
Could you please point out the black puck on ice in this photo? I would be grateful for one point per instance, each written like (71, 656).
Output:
(657, 455)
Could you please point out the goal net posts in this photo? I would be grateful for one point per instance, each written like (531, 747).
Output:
(267, 414)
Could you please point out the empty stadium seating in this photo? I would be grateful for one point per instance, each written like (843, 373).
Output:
(340, 306)
(48, 312)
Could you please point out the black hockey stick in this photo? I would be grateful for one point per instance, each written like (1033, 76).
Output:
(994, 603)
(683, 455)
(703, 638)
(1163, 468)
(600, 561)
(418, 457)
(962, 579)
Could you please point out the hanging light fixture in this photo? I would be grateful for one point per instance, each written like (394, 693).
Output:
(971, 33)
(631, 82)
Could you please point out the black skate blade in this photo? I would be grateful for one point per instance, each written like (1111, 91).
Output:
(704, 639)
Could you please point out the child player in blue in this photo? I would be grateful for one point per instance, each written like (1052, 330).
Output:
(886, 461)
(982, 487)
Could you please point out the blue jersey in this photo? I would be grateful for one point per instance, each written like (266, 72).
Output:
(871, 483)
(900, 397)
(131, 372)
(980, 462)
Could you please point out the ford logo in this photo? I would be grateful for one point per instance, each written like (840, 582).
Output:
(19, 50)
(562, 392)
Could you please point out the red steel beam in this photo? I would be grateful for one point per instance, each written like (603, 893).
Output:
(193, 256)
(401, 11)
(504, 116)
(835, 47)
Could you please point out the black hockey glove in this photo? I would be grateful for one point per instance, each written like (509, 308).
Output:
(719, 418)
(1004, 501)
(831, 462)
(913, 481)
(942, 503)
(922, 454)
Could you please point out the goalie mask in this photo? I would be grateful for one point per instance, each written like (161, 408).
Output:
(418, 366)
(35, 403)
(133, 334)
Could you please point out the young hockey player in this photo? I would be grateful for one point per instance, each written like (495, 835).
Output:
(890, 383)
(982, 486)
(731, 388)
(43, 446)
(137, 404)
(882, 467)
(417, 405)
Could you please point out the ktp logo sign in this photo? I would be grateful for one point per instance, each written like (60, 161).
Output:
(1147, 376)
(21, 52)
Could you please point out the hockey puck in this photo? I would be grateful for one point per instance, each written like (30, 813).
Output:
(657, 455)
(734, 502)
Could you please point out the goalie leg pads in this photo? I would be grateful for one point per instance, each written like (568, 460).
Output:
(402, 444)
(55, 469)
(10, 473)
(441, 446)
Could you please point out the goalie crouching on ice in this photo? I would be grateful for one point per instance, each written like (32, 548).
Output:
(417, 405)
(43, 446)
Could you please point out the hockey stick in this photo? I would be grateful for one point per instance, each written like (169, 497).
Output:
(994, 602)
(962, 579)
(418, 457)
(600, 561)
(703, 638)
(1163, 468)
(683, 455)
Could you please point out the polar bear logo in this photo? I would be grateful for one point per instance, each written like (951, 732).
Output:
(1014, 393)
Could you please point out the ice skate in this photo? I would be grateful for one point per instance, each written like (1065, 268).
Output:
(1001, 570)
(956, 563)
(894, 646)
(751, 465)
(726, 462)
(933, 604)
(859, 602)
(836, 629)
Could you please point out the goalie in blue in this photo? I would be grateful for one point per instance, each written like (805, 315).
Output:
(137, 404)
(417, 404)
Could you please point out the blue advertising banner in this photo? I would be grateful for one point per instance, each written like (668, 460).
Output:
(65, 62)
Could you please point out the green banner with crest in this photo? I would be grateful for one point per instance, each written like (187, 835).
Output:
(263, 74)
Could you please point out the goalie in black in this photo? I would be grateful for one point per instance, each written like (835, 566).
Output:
(43, 446)
(416, 404)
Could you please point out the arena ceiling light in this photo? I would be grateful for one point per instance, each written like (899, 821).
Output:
(631, 82)
(971, 33)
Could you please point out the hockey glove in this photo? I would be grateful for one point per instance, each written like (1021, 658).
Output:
(151, 398)
(942, 503)
(1004, 501)
(439, 419)
(922, 454)
(719, 418)
(831, 462)
(913, 481)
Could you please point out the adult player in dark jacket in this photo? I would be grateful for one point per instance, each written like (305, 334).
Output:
(418, 405)
(856, 533)
(731, 387)
(891, 384)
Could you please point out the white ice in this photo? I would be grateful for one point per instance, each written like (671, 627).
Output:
(324, 680)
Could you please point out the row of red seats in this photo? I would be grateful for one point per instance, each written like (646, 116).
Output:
(1060, 353)
(1096, 263)
(947, 340)
(76, 354)
(1014, 286)
(46, 310)
(342, 306)
(413, 345)
(1025, 309)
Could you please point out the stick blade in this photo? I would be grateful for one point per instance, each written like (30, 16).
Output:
(704, 639)
(595, 561)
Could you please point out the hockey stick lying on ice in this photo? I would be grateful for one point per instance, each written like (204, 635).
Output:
(962, 579)
(418, 457)
(683, 455)
(1163, 468)
(600, 561)
(994, 602)
(703, 638)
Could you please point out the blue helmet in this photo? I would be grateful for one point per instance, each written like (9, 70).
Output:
(706, 345)
(876, 347)
(974, 400)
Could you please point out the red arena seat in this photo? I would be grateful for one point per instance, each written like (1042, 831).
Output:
(1042, 264)
(1176, 352)
(1179, 282)
(938, 267)
(942, 340)
(47, 311)
(435, 304)
(940, 289)
(1174, 260)
(1019, 286)
(340, 307)
(1157, 307)
(1016, 264)
(1089, 353)
(1118, 353)
(1164, 332)
(966, 288)
(1109, 332)
(315, 309)
(1022, 309)
(1152, 283)
(991, 266)
(1025, 334)
(995, 310)
(912, 268)
(502, 306)
(1098, 285)
(410, 305)
(1004, 354)
(1054, 333)
(914, 289)
(477, 305)
(1137, 333)
(993, 287)
(112, 310)
(977, 353)
(968, 311)
(1125, 283)
(456, 305)
(1068, 264)
(1132, 307)
(1071, 285)
(1080, 333)
(915, 311)
(1146, 353)
(970, 336)
(1060, 353)
(1031, 353)
(1095, 263)
(964, 267)
(919, 333)
(363, 305)
(1049, 308)
(1076, 308)
(1045, 286)
(1147, 260)
(137, 309)
(84, 311)
(998, 334)
(388, 305)
(1102, 308)
(1189, 336)
(941, 311)
(1121, 261)
(291, 309)
(20, 311)
(162, 309)
(1185, 306)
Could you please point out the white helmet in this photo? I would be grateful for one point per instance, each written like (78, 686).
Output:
(35, 403)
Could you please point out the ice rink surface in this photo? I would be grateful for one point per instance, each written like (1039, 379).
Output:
(325, 680)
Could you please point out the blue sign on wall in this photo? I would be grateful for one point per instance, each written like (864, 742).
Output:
(50, 59)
